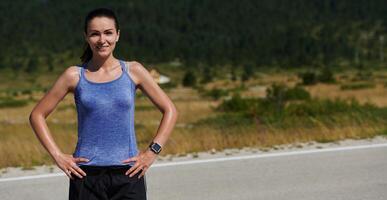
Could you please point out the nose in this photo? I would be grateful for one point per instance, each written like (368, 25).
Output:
(102, 39)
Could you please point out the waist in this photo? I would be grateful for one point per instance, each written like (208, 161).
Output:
(97, 170)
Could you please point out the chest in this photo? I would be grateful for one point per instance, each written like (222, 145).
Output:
(104, 97)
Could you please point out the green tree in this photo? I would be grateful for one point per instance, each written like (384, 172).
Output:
(207, 75)
(189, 79)
(248, 72)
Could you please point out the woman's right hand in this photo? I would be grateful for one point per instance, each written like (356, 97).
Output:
(68, 164)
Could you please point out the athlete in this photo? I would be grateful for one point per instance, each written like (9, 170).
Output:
(106, 163)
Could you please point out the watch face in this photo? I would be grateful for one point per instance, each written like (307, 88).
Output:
(156, 147)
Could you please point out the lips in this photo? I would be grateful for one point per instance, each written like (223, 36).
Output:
(102, 47)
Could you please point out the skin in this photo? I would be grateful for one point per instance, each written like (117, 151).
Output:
(103, 67)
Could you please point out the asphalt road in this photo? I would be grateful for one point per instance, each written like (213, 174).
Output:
(350, 174)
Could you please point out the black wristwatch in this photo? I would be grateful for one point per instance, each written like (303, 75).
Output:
(156, 148)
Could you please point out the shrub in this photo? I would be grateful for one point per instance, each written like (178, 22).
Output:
(189, 79)
(308, 78)
(357, 86)
(279, 111)
(226, 121)
(168, 85)
(297, 93)
(318, 107)
(362, 76)
(248, 72)
(275, 100)
(235, 104)
(216, 93)
(326, 76)
(9, 102)
(276, 96)
(207, 75)
(233, 74)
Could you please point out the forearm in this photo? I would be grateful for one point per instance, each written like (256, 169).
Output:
(166, 126)
(40, 128)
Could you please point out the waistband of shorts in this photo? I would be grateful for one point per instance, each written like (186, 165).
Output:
(94, 170)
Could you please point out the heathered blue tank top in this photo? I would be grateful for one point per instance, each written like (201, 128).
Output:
(106, 133)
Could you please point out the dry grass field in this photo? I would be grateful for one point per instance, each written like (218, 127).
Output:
(20, 147)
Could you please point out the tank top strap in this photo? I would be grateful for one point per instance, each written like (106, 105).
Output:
(123, 65)
(80, 70)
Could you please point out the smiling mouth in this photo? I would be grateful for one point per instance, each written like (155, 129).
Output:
(102, 47)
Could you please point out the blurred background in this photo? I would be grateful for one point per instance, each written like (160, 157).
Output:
(241, 73)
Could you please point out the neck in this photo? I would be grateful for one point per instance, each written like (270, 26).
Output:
(105, 63)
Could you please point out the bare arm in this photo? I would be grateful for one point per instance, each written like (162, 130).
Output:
(145, 82)
(63, 85)
(158, 97)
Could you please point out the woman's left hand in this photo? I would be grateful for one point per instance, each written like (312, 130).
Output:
(143, 161)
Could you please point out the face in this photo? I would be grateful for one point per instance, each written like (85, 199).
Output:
(102, 36)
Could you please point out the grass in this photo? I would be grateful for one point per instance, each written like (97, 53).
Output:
(10, 102)
(200, 126)
(357, 86)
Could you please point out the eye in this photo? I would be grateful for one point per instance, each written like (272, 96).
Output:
(109, 33)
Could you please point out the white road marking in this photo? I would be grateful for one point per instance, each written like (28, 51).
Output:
(265, 155)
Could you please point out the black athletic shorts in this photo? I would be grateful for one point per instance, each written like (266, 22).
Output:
(107, 183)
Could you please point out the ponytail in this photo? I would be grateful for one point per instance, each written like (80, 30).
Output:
(87, 53)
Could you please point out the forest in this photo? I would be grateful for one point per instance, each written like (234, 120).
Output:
(40, 35)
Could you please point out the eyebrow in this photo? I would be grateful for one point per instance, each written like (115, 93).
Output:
(104, 30)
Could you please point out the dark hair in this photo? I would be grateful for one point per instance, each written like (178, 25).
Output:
(99, 12)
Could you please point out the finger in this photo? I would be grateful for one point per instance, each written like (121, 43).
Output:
(130, 159)
(135, 171)
(80, 170)
(142, 173)
(75, 172)
(81, 160)
(68, 174)
(131, 169)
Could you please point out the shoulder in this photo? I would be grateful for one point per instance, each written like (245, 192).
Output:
(71, 76)
(137, 67)
(71, 73)
(137, 71)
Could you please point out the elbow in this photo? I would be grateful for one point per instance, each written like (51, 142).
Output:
(173, 112)
(33, 116)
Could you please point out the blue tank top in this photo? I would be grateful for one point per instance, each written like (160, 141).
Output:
(106, 133)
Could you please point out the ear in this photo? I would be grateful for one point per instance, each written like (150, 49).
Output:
(118, 35)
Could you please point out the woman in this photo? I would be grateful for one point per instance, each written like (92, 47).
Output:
(106, 163)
